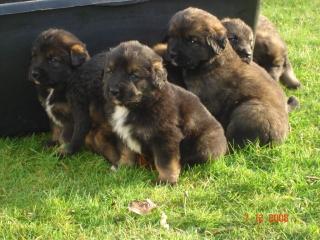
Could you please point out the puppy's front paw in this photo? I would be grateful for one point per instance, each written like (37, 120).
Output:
(65, 150)
(164, 182)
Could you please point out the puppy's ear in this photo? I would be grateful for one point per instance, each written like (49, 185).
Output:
(159, 74)
(162, 50)
(79, 55)
(217, 43)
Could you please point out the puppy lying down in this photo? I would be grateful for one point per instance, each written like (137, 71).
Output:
(164, 122)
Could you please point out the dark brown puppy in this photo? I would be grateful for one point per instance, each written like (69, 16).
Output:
(56, 55)
(240, 36)
(85, 96)
(270, 52)
(156, 118)
(70, 90)
(239, 95)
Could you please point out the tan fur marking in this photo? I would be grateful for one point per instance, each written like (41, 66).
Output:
(56, 132)
(160, 49)
(77, 48)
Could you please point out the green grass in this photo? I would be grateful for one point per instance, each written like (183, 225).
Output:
(42, 197)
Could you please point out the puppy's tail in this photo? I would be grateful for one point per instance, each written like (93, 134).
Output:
(293, 103)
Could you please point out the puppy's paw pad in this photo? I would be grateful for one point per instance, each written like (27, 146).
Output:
(64, 151)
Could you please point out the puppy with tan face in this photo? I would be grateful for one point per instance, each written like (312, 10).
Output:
(70, 90)
(164, 122)
(239, 95)
(56, 55)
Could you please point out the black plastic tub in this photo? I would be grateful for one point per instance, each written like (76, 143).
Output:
(99, 23)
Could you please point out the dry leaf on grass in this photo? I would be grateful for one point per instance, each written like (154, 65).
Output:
(313, 178)
(142, 207)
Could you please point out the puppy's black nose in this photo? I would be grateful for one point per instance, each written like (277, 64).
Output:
(173, 55)
(35, 74)
(114, 91)
(245, 53)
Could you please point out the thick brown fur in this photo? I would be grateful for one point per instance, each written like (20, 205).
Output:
(240, 36)
(61, 66)
(239, 95)
(56, 55)
(174, 72)
(164, 122)
(270, 52)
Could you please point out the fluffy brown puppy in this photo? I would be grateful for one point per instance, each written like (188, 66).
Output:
(164, 122)
(240, 36)
(239, 95)
(70, 90)
(270, 52)
(56, 55)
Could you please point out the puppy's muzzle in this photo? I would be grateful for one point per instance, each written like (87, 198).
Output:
(35, 74)
(115, 92)
(173, 57)
(245, 55)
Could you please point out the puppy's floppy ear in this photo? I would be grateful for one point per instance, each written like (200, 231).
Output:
(217, 43)
(162, 50)
(79, 54)
(159, 74)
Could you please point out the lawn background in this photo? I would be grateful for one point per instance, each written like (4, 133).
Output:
(42, 197)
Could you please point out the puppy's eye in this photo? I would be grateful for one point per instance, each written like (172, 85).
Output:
(53, 60)
(134, 77)
(233, 38)
(193, 40)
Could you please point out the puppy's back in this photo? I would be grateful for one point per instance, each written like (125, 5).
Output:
(268, 41)
(87, 81)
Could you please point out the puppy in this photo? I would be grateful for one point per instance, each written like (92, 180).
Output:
(239, 95)
(160, 120)
(270, 52)
(56, 55)
(85, 95)
(70, 90)
(240, 36)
